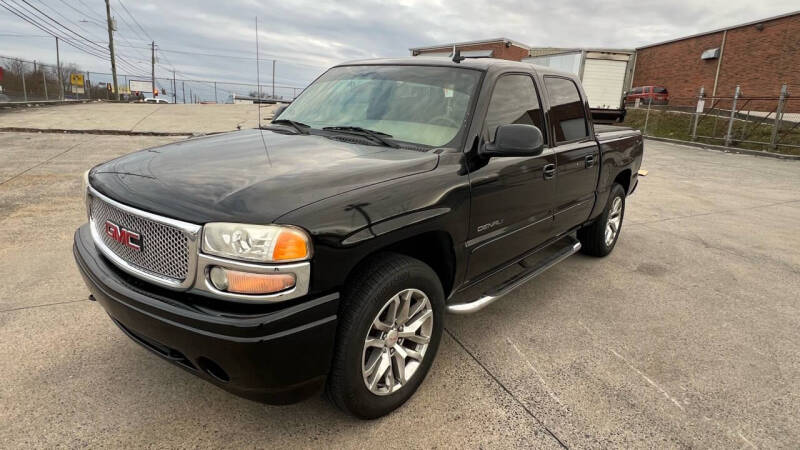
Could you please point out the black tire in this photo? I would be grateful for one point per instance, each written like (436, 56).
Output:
(377, 281)
(593, 236)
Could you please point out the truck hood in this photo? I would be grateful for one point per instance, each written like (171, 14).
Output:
(237, 177)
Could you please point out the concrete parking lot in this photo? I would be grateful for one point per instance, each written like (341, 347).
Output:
(686, 336)
(136, 117)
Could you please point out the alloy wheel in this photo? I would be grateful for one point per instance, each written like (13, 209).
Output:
(614, 221)
(397, 341)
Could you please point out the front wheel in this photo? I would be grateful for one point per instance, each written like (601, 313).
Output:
(600, 237)
(390, 325)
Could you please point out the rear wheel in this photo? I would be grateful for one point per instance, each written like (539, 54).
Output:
(390, 325)
(600, 237)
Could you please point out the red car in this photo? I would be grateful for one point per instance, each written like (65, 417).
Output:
(655, 95)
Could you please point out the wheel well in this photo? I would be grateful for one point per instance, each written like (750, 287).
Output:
(434, 248)
(624, 179)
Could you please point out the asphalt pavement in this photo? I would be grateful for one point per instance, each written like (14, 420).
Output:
(686, 336)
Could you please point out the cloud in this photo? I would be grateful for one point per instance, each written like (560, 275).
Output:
(305, 37)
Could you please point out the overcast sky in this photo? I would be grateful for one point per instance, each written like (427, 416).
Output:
(306, 36)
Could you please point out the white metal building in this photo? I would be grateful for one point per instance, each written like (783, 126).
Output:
(605, 73)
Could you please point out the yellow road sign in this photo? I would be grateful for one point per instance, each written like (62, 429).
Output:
(76, 79)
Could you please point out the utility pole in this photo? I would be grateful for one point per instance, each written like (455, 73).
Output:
(153, 68)
(24, 91)
(111, 49)
(174, 87)
(273, 79)
(58, 72)
(183, 86)
(44, 81)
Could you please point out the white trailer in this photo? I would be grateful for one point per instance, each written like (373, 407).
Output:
(605, 75)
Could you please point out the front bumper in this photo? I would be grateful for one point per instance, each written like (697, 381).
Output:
(280, 356)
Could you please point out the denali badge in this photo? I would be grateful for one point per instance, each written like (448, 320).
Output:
(490, 225)
(128, 238)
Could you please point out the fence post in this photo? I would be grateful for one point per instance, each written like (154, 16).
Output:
(24, 91)
(647, 116)
(729, 135)
(778, 117)
(44, 81)
(698, 111)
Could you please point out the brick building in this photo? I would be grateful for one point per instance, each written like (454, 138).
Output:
(759, 56)
(501, 48)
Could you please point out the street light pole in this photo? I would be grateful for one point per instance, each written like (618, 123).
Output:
(111, 49)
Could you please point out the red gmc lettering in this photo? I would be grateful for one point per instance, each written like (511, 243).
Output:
(125, 237)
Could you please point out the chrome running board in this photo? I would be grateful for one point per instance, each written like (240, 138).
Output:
(489, 298)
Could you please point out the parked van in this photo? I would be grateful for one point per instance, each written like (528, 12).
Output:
(655, 95)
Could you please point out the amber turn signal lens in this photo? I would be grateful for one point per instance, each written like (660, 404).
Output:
(290, 246)
(250, 283)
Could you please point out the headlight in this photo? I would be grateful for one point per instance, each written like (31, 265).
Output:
(261, 243)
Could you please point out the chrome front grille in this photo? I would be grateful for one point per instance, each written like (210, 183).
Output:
(168, 251)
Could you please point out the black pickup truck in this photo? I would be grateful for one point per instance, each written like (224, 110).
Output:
(326, 248)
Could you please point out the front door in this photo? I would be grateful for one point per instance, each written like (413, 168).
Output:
(577, 154)
(511, 209)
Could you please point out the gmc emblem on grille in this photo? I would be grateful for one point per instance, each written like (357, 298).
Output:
(128, 238)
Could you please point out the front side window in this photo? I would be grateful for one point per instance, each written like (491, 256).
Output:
(416, 104)
(567, 111)
(514, 100)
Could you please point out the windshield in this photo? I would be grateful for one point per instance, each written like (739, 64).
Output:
(417, 104)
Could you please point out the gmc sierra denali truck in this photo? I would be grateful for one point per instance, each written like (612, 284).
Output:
(326, 248)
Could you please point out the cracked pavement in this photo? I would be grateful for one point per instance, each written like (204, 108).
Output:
(686, 336)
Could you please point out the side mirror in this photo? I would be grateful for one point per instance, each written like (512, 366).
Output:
(515, 140)
(278, 111)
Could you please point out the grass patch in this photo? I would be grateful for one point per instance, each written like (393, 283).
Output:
(678, 125)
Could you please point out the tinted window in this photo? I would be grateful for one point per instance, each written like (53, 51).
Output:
(566, 109)
(637, 90)
(660, 90)
(514, 100)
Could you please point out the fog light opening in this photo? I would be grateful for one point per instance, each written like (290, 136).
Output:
(213, 369)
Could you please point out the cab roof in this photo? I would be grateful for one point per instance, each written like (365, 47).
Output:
(483, 64)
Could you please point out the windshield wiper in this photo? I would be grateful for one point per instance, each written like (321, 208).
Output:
(299, 126)
(374, 135)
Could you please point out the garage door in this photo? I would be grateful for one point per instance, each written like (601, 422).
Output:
(602, 81)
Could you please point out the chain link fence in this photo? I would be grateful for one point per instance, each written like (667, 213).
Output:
(766, 123)
(29, 81)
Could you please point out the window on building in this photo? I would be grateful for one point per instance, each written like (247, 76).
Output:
(566, 109)
(514, 100)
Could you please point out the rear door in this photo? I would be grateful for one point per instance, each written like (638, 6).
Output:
(577, 153)
(511, 205)
(602, 82)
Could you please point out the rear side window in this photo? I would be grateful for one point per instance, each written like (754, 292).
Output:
(566, 109)
(514, 100)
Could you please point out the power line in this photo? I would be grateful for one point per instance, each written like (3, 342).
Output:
(61, 25)
(83, 13)
(123, 60)
(134, 20)
(88, 8)
(31, 17)
(48, 30)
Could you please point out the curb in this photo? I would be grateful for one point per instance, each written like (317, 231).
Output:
(719, 148)
(106, 132)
